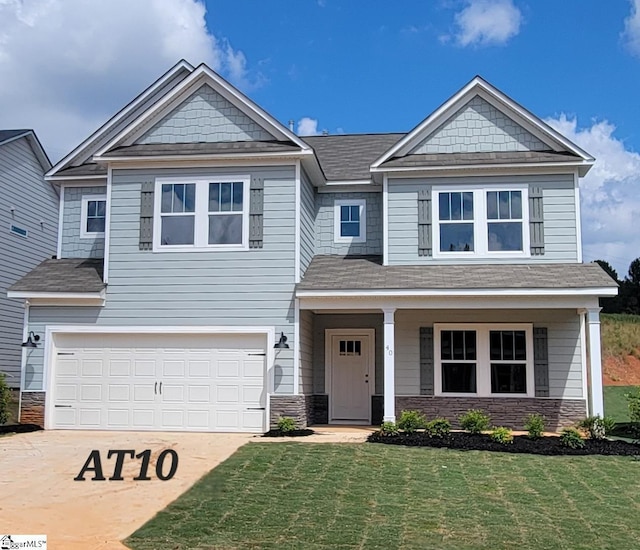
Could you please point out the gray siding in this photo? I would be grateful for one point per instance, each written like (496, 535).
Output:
(205, 116)
(321, 322)
(306, 352)
(218, 288)
(565, 356)
(22, 187)
(479, 127)
(560, 235)
(325, 208)
(307, 222)
(73, 245)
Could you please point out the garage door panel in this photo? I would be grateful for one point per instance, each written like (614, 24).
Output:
(147, 382)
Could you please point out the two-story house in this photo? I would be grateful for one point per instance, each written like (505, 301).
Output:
(28, 234)
(216, 271)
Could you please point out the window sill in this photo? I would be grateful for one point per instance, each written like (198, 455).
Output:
(92, 235)
(487, 396)
(349, 240)
(225, 248)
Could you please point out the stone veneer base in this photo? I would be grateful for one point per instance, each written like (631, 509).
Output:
(505, 411)
(32, 408)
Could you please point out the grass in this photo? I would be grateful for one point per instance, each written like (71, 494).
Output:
(615, 404)
(620, 334)
(367, 496)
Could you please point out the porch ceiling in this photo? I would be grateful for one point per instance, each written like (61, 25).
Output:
(366, 273)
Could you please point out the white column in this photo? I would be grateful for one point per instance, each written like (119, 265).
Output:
(389, 366)
(595, 361)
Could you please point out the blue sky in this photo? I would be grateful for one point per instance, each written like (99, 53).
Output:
(66, 66)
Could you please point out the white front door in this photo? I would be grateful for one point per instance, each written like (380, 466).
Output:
(351, 375)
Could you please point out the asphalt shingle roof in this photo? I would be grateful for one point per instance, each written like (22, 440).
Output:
(367, 272)
(344, 157)
(88, 169)
(152, 149)
(9, 134)
(68, 275)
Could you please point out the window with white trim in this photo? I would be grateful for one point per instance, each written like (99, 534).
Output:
(93, 215)
(484, 360)
(201, 213)
(481, 222)
(350, 223)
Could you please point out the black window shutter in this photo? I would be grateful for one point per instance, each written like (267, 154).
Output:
(425, 247)
(541, 361)
(146, 216)
(256, 213)
(426, 361)
(536, 220)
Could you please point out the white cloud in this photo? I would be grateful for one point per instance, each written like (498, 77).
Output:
(308, 127)
(631, 33)
(486, 23)
(68, 65)
(610, 200)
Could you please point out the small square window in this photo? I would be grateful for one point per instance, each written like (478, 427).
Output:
(350, 221)
(93, 216)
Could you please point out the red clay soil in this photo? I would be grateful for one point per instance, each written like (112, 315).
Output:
(621, 371)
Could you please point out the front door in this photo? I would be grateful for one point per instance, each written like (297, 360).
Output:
(351, 376)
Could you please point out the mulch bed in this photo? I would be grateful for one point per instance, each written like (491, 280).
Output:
(18, 428)
(521, 444)
(294, 433)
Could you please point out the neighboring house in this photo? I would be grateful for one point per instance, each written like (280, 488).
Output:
(439, 270)
(28, 233)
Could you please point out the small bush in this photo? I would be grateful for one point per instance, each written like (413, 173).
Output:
(502, 435)
(597, 427)
(286, 424)
(438, 427)
(388, 429)
(570, 437)
(5, 400)
(534, 424)
(633, 402)
(475, 421)
(411, 421)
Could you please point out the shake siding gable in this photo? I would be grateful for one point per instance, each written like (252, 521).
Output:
(73, 246)
(33, 200)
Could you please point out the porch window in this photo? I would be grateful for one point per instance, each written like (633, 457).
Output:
(484, 360)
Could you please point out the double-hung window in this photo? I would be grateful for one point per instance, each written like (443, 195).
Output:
(350, 221)
(201, 213)
(487, 222)
(484, 360)
(93, 216)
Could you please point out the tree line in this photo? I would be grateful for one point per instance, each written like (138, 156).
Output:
(628, 298)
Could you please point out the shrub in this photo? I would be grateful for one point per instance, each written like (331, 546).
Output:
(597, 427)
(570, 437)
(534, 424)
(633, 402)
(475, 421)
(438, 427)
(388, 429)
(411, 421)
(286, 424)
(502, 435)
(5, 400)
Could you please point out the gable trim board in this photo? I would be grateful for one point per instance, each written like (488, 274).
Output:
(201, 75)
(500, 101)
(118, 117)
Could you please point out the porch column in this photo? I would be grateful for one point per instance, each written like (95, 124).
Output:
(595, 361)
(389, 366)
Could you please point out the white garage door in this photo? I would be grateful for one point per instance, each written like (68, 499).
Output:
(159, 382)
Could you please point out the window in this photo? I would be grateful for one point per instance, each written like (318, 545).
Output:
(350, 221)
(350, 347)
(201, 214)
(489, 222)
(484, 360)
(93, 216)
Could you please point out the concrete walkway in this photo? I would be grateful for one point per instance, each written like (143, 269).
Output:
(40, 496)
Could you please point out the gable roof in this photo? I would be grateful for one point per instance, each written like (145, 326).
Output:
(479, 87)
(7, 136)
(199, 76)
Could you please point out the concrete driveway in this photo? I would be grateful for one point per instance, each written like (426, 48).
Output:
(38, 495)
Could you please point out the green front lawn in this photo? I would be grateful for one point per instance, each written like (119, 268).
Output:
(344, 496)
(615, 404)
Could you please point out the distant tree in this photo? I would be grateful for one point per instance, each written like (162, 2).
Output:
(630, 289)
(634, 273)
(609, 269)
